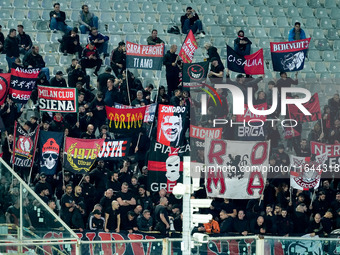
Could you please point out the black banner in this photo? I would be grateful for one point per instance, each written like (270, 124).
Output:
(289, 56)
(165, 166)
(114, 149)
(25, 145)
(50, 144)
(195, 73)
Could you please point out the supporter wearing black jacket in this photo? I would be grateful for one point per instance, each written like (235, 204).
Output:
(171, 69)
(78, 75)
(90, 58)
(2, 40)
(89, 192)
(96, 221)
(99, 176)
(300, 219)
(284, 224)
(241, 224)
(144, 221)
(57, 125)
(33, 58)
(9, 113)
(11, 48)
(97, 108)
(24, 40)
(118, 59)
(70, 43)
(58, 80)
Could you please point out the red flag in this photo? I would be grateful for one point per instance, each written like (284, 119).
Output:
(5, 79)
(249, 116)
(290, 132)
(254, 64)
(313, 106)
(188, 48)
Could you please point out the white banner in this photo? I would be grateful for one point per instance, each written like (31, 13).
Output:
(306, 173)
(235, 169)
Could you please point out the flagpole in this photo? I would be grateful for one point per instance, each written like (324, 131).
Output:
(63, 170)
(35, 151)
(81, 180)
(127, 85)
(311, 202)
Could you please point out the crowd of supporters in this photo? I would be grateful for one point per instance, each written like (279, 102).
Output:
(115, 196)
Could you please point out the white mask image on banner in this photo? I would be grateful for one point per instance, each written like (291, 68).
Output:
(50, 154)
(171, 128)
(172, 168)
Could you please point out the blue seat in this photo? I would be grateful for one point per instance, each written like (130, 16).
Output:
(114, 40)
(278, 12)
(33, 4)
(321, 13)
(334, 67)
(159, 28)
(113, 27)
(136, 17)
(220, 42)
(258, 3)
(282, 22)
(321, 68)
(329, 56)
(275, 33)
(322, 45)
(249, 11)
(311, 23)
(286, 3)
(121, 17)
(220, 9)
(143, 28)
(143, 40)
(223, 20)
(13, 24)
(267, 22)
(264, 11)
(42, 38)
(253, 21)
(326, 23)
(75, 5)
(175, 39)
(128, 28)
(318, 34)
(147, 7)
(20, 4)
(260, 33)
(272, 3)
(19, 14)
(314, 55)
(133, 7)
(119, 6)
(209, 20)
(335, 14)
(47, 4)
(230, 31)
(131, 38)
(238, 21)
(162, 7)
(307, 12)
(330, 4)
(150, 18)
(332, 34)
(6, 4)
(206, 9)
(235, 10)
(28, 25)
(165, 18)
(105, 6)
(42, 25)
(301, 3)
(50, 60)
(293, 12)
(216, 31)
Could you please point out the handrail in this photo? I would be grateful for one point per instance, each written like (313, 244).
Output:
(39, 199)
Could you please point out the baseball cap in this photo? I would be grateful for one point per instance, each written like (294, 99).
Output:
(59, 73)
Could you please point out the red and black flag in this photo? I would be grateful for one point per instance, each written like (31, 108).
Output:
(126, 121)
(313, 106)
(23, 81)
(25, 144)
(195, 73)
(289, 56)
(250, 64)
(114, 149)
(171, 125)
(5, 79)
(80, 154)
(188, 48)
(50, 144)
(144, 56)
(165, 166)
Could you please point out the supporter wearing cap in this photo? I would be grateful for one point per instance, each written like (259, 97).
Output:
(96, 221)
(216, 71)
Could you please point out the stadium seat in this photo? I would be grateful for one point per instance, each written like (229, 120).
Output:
(253, 21)
(105, 6)
(47, 4)
(147, 7)
(264, 43)
(220, 42)
(300, 3)
(264, 12)
(42, 38)
(113, 27)
(128, 28)
(223, 20)
(267, 22)
(216, 31)
(6, 4)
(83, 39)
(159, 28)
(176, 8)
(235, 10)
(307, 12)
(132, 38)
(20, 4)
(143, 40)
(330, 4)
(258, 3)
(328, 56)
(13, 24)
(249, 11)
(228, 2)
(147, 74)
(50, 60)
(320, 68)
(314, 4)
(150, 18)
(293, 12)
(135, 18)
(177, 19)
(272, 3)
(119, 6)
(220, 9)
(162, 7)
(175, 39)
(33, 4)
(238, 21)
(318, 34)
(260, 33)
(75, 5)
(120, 17)
(282, 22)
(230, 31)
(275, 33)
(242, 2)
(209, 20)
(114, 40)
(311, 23)
(65, 60)
(206, 9)
(314, 55)
(143, 29)
(278, 12)
(335, 14)
(326, 23)
(334, 67)
(332, 34)
(42, 25)
(19, 14)
(321, 13)
(322, 45)
(286, 3)
(165, 18)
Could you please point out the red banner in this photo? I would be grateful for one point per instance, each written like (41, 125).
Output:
(290, 132)
(188, 48)
(313, 106)
(54, 99)
(201, 133)
(80, 154)
(170, 126)
(125, 120)
(254, 63)
(5, 79)
(249, 116)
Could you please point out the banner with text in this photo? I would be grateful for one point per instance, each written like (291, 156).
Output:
(80, 154)
(249, 116)
(249, 64)
(188, 49)
(255, 132)
(313, 106)
(165, 166)
(144, 56)
(114, 149)
(289, 56)
(23, 81)
(124, 120)
(54, 99)
(25, 145)
(171, 123)
(150, 110)
(305, 173)
(333, 156)
(235, 169)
